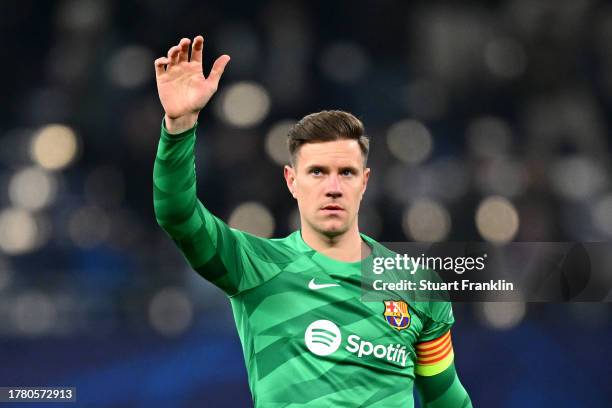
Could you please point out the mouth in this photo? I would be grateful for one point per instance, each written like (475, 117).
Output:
(332, 209)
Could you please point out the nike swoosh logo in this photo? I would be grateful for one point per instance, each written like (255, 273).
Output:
(316, 286)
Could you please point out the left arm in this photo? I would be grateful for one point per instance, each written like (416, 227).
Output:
(437, 383)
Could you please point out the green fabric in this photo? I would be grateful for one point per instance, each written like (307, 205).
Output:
(443, 390)
(354, 358)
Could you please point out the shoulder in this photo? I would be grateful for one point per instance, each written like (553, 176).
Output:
(437, 311)
(271, 249)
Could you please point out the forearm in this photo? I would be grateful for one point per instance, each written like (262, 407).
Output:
(443, 390)
(174, 184)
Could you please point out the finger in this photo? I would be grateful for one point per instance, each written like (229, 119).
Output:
(184, 49)
(173, 55)
(218, 68)
(160, 66)
(196, 49)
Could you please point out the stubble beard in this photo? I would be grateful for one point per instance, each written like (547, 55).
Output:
(338, 227)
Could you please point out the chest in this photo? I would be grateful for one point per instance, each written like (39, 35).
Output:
(324, 317)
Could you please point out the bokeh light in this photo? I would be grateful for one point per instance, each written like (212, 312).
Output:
(497, 219)
(409, 141)
(170, 311)
(502, 315)
(276, 141)
(254, 218)
(130, 66)
(244, 104)
(19, 231)
(54, 147)
(32, 188)
(82, 15)
(577, 177)
(427, 221)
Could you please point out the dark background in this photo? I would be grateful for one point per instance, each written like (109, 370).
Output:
(488, 121)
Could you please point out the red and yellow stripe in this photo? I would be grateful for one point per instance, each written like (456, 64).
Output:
(434, 356)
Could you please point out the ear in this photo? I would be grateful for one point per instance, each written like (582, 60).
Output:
(366, 177)
(289, 173)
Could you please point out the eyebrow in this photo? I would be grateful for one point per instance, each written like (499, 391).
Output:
(326, 168)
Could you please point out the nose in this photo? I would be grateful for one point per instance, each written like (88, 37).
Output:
(333, 187)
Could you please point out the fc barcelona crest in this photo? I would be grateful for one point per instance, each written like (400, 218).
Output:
(397, 314)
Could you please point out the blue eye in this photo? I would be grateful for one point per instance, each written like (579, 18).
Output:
(316, 172)
(347, 172)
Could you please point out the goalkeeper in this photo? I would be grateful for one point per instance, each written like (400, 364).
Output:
(308, 338)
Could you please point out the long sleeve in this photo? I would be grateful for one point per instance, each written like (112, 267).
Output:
(437, 383)
(443, 390)
(223, 255)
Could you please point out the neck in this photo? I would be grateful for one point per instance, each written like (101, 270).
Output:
(346, 247)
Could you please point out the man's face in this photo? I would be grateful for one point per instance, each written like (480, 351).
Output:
(328, 180)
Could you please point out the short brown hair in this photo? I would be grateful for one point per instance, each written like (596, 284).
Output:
(327, 126)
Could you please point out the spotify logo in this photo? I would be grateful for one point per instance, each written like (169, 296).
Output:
(322, 337)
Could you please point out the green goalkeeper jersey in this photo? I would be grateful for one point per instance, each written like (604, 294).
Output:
(308, 338)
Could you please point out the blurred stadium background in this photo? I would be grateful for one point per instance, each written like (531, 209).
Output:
(489, 121)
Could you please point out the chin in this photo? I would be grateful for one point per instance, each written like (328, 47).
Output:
(333, 229)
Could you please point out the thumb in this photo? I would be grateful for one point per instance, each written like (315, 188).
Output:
(218, 68)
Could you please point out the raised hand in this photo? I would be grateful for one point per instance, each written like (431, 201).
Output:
(183, 90)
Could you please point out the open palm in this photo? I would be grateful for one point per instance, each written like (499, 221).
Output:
(183, 89)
